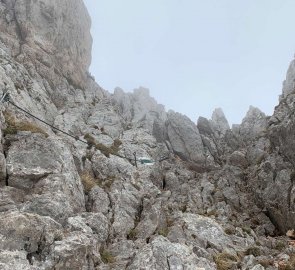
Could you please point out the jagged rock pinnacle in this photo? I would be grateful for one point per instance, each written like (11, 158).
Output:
(219, 121)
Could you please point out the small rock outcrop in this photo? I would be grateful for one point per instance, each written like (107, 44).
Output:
(219, 122)
(141, 110)
(288, 84)
(253, 125)
(184, 137)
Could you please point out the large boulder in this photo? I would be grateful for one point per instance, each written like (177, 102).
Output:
(162, 254)
(45, 169)
(29, 232)
(95, 224)
(74, 252)
(184, 137)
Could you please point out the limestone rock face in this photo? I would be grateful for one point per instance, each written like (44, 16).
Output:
(162, 254)
(50, 32)
(142, 188)
(105, 117)
(141, 110)
(23, 231)
(272, 173)
(274, 184)
(218, 139)
(45, 168)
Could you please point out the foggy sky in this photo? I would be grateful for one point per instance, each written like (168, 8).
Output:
(195, 55)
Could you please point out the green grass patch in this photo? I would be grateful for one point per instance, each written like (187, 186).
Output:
(163, 231)
(88, 181)
(132, 235)
(255, 251)
(225, 261)
(107, 151)
(280, 245)
(13, 126)
(106, 256)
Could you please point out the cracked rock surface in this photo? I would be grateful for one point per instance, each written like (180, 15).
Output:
(209, 197)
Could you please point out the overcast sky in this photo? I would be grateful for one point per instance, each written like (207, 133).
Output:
(195, 55)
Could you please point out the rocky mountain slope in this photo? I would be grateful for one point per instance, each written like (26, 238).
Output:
(215, 197)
